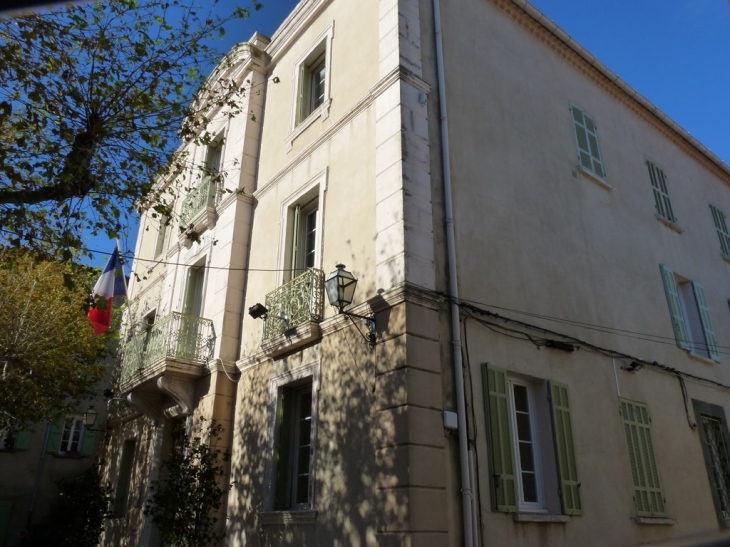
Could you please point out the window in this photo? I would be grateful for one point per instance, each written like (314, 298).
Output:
(72, 434)
(213, 156)
(722, 232)
(531, 438)
(70, 437)
(690, 315)
(714, 437)
(300, 244)
(303, 249)
(586, 136)
(292, 430)
(124, 477)
(312, 80)
(661, 194)
(637, 427)
(163, 231)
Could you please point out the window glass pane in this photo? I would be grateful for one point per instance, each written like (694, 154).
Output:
(302, 490)
(526, 457)
(529, 487)
(523, 426)
(520, 393)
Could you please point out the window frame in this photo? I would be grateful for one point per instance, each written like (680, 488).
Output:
(294, 380)
(593, 158)
(303, 196)
(125, 469)
(713, 412)
(164, 225)
(75, 419)
(686, 320)
(554, 435)
(319, 51)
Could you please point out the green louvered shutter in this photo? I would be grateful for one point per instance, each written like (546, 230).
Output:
(22, 440)
(6, 508)
(637, 427)
(54, 437)
(87, 445)
(710, 340)
(718, 218)
(675, 307)
(661, 194)
(496, 408)
(563, 434)
(586, 136)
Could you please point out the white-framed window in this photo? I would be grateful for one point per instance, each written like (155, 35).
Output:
(290, 472)
(718, 217)
(530, 436)
(526, 443)
(661, 194)
(690, 314)
(300, 245)
(312, 80)
(586, 138)
(72, 435)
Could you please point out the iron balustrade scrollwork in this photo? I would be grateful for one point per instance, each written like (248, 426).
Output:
(203, 195)
(297, 302)
(175, 336)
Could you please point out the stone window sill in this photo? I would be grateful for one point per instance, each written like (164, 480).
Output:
(541, 517)
(600, 181)
(270, 518)
(669, 223)
(701, 358)
(322, 111)
(654, 520)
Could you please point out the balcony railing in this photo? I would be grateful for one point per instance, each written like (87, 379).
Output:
(203, 195)
(175, 336)
(297, 302)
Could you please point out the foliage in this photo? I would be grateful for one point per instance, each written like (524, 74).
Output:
(94, 99)
(50, 357)
(183, 505)
(83, 504)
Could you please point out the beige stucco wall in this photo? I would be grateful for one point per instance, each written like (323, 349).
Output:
(536, 235)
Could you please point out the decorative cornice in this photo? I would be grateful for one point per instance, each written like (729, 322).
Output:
(293, 26)
(559, 41)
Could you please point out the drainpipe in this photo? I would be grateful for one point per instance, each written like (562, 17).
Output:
(464, 460)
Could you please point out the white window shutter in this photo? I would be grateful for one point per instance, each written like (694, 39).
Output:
(675, 307)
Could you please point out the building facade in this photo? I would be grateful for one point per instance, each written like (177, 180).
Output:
(544, 255)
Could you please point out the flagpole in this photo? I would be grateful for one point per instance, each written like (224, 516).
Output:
(124, 275)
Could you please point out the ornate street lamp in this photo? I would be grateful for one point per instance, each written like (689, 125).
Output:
(340, 287)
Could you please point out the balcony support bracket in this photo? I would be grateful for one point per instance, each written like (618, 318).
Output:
(148, 404)
(182, 392)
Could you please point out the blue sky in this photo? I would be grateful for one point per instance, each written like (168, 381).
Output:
(674, 52)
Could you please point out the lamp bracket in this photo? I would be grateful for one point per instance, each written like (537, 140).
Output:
(369, 323)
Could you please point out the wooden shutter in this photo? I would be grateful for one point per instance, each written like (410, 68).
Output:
(718, 218)
(283, 449)
(710, 340)
(87, 445)
(675, 307)
(22, 440)
(496, 408)
(54, 436)
(661, 194)
(565, 450)
(296, 237)
(637, 427)
(586, 135)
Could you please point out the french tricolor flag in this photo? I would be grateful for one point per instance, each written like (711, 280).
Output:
(110, 284)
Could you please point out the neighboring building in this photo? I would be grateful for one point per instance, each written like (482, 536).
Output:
(33, 461)
(577, 233)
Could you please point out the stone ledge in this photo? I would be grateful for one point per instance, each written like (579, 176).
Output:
(654, 520)
(293, 339)
(541, 517)
(270, 518)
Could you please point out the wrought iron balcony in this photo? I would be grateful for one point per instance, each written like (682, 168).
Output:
(203, 195)
(297, 302)
(175, 336)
